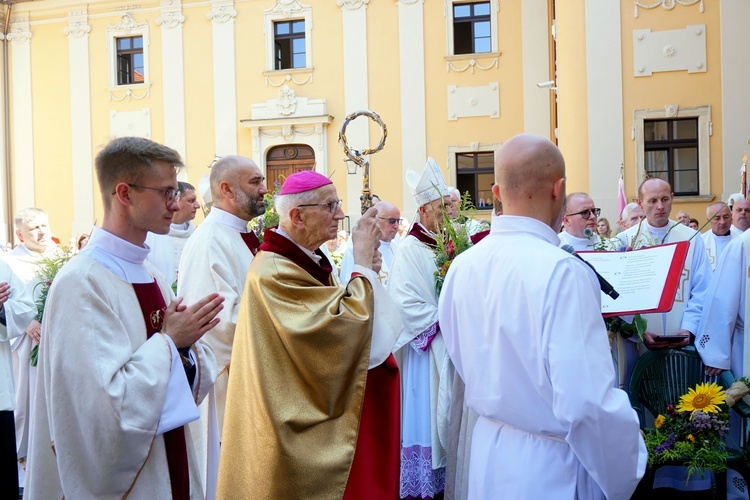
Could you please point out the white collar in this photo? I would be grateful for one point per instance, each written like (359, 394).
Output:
(114, 245)
(315, 257)
(227, 219)
(521, 224)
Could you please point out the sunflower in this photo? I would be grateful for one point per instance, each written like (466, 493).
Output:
(660, 421)
(705, 397)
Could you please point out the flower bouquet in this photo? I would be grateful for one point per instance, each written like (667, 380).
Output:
(452, 239)
(693, 431)
(46, 271)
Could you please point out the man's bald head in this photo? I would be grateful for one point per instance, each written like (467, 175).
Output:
(237, 186)
(524, 162)
(530, 178)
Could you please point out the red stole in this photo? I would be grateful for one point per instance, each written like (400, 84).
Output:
(273, 242)
(477, 237)
(152, 305)
(420, 233)
(376, 465)
(252, 242)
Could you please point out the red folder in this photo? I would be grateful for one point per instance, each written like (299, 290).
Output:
(670, 286)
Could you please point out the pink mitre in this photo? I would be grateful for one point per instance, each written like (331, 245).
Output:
(305, 180)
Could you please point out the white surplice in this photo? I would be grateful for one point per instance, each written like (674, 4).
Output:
(386, 249)
(19, 311)
(25, 264)
(103, 388)
(522, 323)
(426, 375)
(215, 260)
(166, 249)
(696, 274)
(578, 244)
(721, 337)
(715, 246)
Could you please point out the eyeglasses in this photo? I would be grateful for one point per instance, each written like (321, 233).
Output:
(170, 194)
(390, 220)
(332, 205)
(586, 214)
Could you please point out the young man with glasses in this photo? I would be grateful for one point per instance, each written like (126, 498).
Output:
(113, 392)
(580, 214)
(313, 400)
(216, 259)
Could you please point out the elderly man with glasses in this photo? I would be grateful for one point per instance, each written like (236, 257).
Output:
(388, 219)
(313, 401)
(580, 222)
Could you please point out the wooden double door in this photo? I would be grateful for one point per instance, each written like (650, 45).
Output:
(283, 161)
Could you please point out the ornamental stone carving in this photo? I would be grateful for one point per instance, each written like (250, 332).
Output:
(222, 12)
(169, 20)
(77, 30)
(289, 7)
(19, 34)
(352, 4)
(286, 102)
(127, 24)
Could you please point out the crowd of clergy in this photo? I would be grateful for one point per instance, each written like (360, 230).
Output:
(216, 361)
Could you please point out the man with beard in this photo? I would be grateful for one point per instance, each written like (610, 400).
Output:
(166, 249)
(216, 259)
(719, 236)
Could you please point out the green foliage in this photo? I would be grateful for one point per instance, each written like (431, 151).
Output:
(627, 330)
(452, 239)
(270, 217)
(46, 271)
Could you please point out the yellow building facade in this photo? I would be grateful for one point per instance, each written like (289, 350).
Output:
(274, 80)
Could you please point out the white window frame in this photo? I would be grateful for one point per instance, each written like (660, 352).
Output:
(671, 112)
(286, 10)
(473, 147)
(125, 28)
(448, 11)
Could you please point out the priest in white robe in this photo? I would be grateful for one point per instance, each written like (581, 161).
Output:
(718, 237)
(35, 235)
(579, 221)
(426, 370)
(388, 218)
(16, 311)
(538, 369)
(216, 259)
(114, 392)
(166, 249)
(740, 208)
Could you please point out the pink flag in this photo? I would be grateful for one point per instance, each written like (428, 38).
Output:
(622, 201)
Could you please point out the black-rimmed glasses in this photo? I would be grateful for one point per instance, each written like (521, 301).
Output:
(390, 220)
(586, 214)
(332, 205)
(170, 194)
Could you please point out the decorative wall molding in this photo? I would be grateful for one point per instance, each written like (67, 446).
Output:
(669, 50)
(352, 4)
(464, 102)
(78, 25)
(222, 11)
(286, 102)
(670, 110)
(289, 78)
(170, 19)
(472, 64)
(668, 4)
(127, 24)
(289, 7)
(19, 32)
(122, 92)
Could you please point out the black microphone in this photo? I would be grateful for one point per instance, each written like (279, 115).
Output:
(603, 284)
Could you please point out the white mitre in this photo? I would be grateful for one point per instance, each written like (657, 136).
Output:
(204, 188)
(430, 186)
(733, 198)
